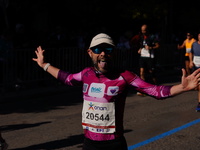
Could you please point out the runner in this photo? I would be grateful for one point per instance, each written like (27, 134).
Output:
(187, 44)
(194, 57)
(104, 93)
(148, 43)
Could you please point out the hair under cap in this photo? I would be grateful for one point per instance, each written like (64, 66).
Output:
(101, 38)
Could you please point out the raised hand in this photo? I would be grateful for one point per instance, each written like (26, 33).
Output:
(192, 81)
(40, 56)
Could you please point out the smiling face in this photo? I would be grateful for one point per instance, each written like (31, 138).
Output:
(101, 56)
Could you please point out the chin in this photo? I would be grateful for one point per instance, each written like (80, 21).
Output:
(102, 70)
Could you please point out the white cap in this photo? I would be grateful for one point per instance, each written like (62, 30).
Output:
(101, 38)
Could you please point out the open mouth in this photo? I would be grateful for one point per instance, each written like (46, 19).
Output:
(102, 63)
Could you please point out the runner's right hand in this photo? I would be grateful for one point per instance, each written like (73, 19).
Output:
(40, 57)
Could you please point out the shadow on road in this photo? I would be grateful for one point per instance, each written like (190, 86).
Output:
(63, 143)
(21, 126)
(72, 140)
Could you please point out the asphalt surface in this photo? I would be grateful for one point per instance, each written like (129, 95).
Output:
(46, 118)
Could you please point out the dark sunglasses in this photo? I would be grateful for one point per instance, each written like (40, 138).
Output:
(98, 50)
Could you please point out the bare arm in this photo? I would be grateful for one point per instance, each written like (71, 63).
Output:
(139, 51)
(156, 46)
(181, 46)
(40, 61)
(187, 83)
(191, 60)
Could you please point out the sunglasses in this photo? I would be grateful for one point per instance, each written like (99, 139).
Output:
(98, 50)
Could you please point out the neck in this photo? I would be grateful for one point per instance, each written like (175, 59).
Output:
(99, 71)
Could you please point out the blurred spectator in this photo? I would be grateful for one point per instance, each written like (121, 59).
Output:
(21, 37)
(58, 37)
(123, 42)
(6, 52)
(81, 39)
(123, 45)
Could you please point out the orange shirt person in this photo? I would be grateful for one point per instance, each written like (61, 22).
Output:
(187, 44)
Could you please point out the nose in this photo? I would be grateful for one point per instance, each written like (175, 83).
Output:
(102, 53)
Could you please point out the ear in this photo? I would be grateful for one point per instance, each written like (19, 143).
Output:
(89, 52)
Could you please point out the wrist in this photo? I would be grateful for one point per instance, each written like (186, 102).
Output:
(46, 66)
(42, 65)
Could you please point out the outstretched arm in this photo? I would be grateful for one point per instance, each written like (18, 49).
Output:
(187, 83)
(40, 61)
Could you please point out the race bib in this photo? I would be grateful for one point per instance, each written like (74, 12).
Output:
(145, 53)
(98, 117)
(196, 61)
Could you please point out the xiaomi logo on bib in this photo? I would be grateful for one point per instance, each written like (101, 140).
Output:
(96, 90)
